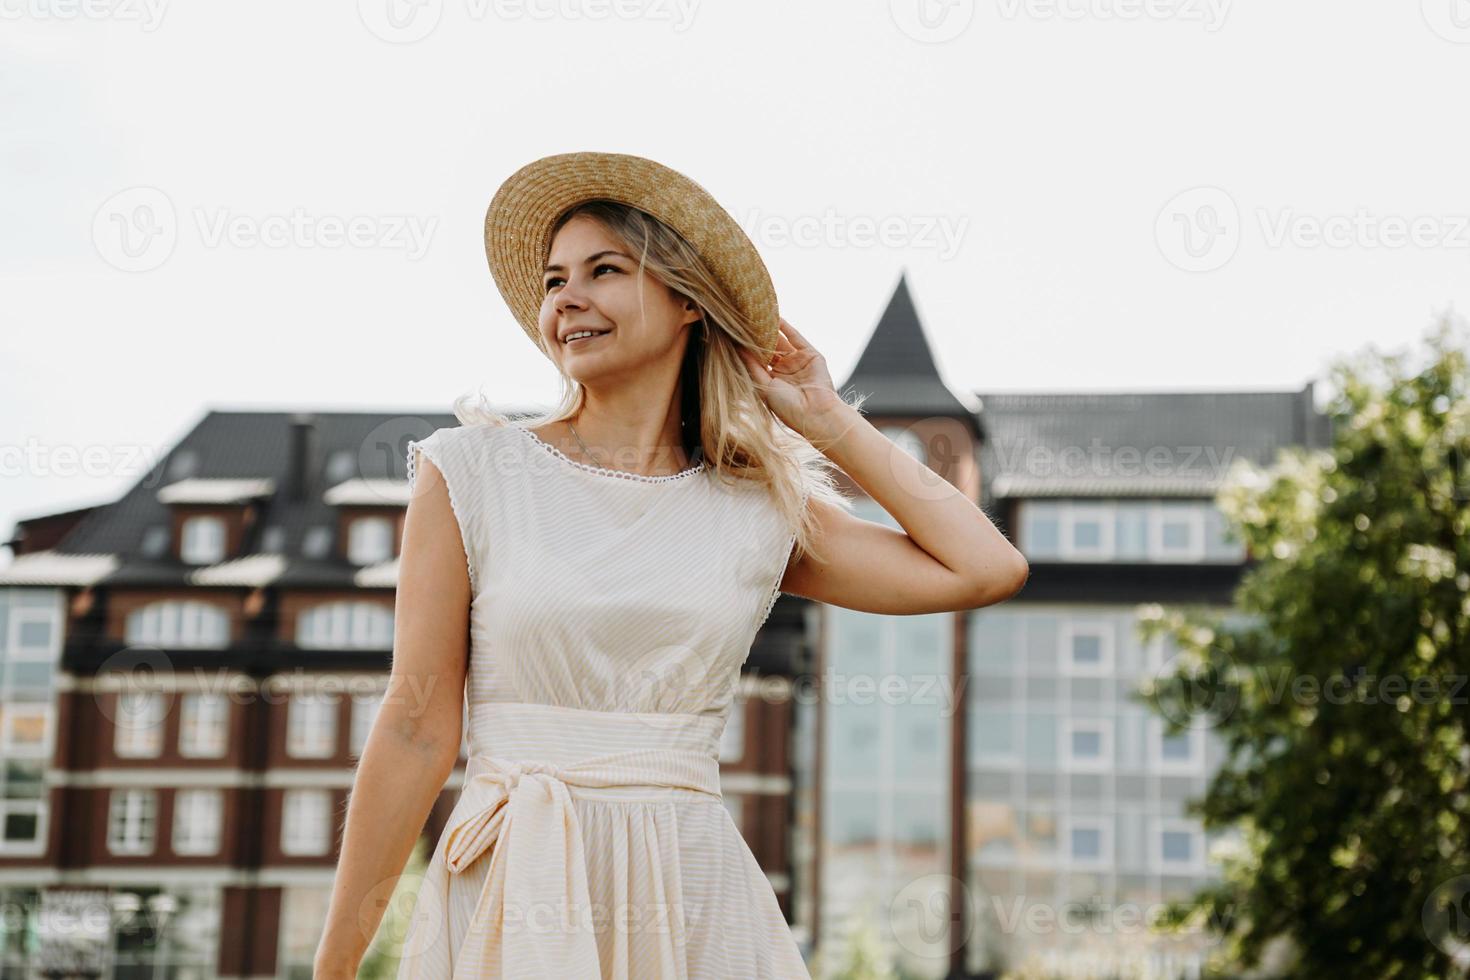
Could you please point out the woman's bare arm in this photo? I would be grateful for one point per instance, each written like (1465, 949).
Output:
(415, 739)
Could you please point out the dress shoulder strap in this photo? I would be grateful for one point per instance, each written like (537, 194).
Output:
(461, 455)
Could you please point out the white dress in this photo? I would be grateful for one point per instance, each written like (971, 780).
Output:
(610, 617)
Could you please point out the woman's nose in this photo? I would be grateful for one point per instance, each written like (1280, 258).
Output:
(569, 296)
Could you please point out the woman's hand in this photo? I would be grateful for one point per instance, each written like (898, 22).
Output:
(796, 384)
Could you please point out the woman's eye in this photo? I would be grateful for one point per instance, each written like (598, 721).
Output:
(556, 279)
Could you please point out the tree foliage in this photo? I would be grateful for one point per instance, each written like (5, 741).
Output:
(1338, 686)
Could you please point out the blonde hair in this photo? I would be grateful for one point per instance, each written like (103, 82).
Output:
(722, 411)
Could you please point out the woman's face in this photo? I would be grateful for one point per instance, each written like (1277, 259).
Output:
(590, 284)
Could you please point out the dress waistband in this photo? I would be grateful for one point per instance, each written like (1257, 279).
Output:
(526, 762)
(564, 736)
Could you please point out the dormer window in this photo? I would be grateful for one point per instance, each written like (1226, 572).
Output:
(370, 540)
(202, 540)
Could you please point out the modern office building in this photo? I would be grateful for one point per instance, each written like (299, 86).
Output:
(989, 792)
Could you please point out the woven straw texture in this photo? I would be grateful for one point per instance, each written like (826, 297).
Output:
(518, 225)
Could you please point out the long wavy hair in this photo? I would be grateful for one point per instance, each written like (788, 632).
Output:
(722, 412)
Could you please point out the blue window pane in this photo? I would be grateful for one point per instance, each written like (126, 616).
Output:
(1086, 648)
(35, 635)
(1176, 747)
(1043, 536)
(1177, 845)
(1087, 745)
(990, 733)
(1130, 531)
(1087, 534)
(1177, 535)
(1086, 842)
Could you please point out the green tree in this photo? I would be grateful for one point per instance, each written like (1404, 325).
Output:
(1338, 687)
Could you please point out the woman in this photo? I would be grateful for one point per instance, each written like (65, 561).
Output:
(588, 586)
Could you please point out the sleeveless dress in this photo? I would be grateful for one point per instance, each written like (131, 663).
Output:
(609, 619)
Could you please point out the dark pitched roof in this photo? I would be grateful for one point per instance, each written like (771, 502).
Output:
(1159, 444)
(238, 445)
(898, 370)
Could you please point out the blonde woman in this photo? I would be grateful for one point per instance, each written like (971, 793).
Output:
(582, 588)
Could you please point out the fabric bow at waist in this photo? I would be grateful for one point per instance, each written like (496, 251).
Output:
(532, 918)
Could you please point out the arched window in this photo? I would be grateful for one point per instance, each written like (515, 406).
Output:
(346, 625)
(179, 623)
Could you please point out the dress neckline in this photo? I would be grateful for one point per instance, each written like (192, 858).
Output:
(603, 470)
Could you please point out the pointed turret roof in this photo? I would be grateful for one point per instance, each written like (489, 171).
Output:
(897, 367)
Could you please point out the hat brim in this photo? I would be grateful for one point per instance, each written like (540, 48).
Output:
(518, 229)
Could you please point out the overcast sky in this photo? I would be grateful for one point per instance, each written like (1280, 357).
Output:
(1087, 194)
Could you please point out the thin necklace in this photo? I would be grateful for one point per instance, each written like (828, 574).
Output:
(584, 445)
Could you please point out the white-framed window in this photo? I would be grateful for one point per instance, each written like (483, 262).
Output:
(1177, 531)
(311, 726)
(179, 623)
(305, 821)
(347, 625)
(23, 826)
(732, 739)
(132, 819)
(34, 629)
(1087, 531)
(202, 540)
(1177, 846)
(137, 727)
(365, 708)
(1087, 744)
(369, 540)
(1176, 754)
(203, 724)
(1087, 841)
(198, 814)
(25, 730)
(1086, 647)
(1174, 531)
(1041, 528)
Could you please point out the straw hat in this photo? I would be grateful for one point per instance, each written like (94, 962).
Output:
(518, 226)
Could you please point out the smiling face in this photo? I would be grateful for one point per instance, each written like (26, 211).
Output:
(591, 284)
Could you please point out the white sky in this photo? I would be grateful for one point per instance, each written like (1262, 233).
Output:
(1052, 140)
